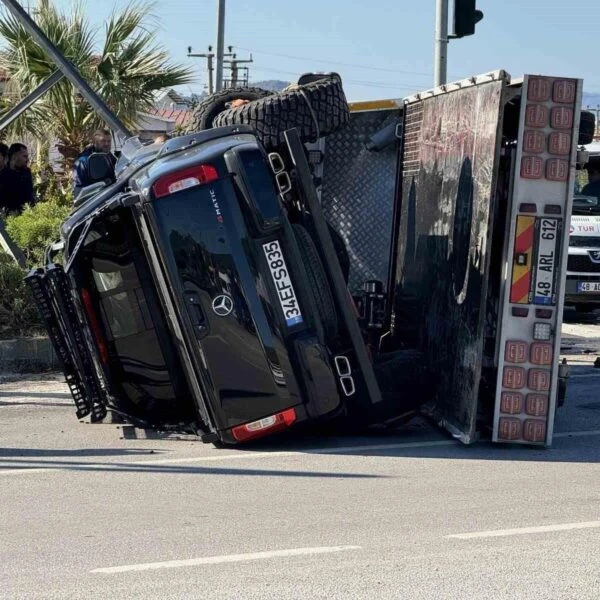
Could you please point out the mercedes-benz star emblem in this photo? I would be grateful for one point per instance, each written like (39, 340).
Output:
(222, 305)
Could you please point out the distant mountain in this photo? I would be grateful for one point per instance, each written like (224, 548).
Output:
(591, 100)
(272, 85)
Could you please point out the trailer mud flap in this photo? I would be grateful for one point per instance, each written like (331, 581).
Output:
(51, 293)
(450, 161)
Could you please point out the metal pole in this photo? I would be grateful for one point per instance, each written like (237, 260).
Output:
(67, 68)
(441, 43)
(220, 45)
(211, 68)
(29, 100)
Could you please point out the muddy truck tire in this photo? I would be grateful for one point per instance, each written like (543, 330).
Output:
(316, 109)
(587, 127)
(206, 110)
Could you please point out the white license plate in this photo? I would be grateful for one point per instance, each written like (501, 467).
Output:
(283, 283)
(546, 261)
(588, 286)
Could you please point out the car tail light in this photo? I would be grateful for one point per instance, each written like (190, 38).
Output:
(534, 430)
(539, 380)
(536, 115)
(559, 143)
(528, 208)
(542, 331)
(271, 424)
(537, 405)
(509, 428)
(511, 403)
(543, 313)
(552, 209)
(513, 378)
(515, 352)
(541, 354)
(94, 325)
(184, 179)
(518, 311)
(564, 91)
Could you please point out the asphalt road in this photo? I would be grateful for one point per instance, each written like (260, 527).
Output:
(88, 512)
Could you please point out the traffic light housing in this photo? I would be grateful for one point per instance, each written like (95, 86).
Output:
(465, 17)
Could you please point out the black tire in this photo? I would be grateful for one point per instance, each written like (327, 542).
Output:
(323, 101)
(587, 127)
(206, 110)
(317, 281)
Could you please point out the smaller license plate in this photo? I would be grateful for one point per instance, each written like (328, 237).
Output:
(588, 286)
(548, 235)
(283, 283)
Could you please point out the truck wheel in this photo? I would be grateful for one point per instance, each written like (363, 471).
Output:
(206, 110)
(317, 281)
(315, 109)
(587, 127)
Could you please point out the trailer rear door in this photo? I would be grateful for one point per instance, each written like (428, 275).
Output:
(536, 261)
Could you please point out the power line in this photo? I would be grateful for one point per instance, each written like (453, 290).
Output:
(335, 62)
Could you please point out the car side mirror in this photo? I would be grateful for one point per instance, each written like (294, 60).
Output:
(100, 167)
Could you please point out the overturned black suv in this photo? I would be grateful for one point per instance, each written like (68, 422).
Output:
(201, 290)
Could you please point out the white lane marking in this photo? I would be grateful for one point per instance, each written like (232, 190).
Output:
(250, 455)
(525, 530)
(227, 558)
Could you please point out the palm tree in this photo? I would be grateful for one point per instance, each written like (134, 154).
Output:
(126, 71)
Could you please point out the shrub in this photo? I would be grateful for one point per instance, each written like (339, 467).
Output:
(18, 314)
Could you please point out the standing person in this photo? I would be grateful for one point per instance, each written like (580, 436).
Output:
(3, 156)
(101, 142)
(16, 182)
(593, 186)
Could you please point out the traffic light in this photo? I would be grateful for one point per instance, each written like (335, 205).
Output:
(465, 17)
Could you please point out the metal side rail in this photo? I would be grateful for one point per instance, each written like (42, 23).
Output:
(38, 284)
(332, 265)
(53, 296)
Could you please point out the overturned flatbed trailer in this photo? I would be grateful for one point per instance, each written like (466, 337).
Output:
(458, 201)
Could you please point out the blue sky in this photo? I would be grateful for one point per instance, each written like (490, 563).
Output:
(382, 48)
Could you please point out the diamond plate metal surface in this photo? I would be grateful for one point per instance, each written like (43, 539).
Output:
(358, 194)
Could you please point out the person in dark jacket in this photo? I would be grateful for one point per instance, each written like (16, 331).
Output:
(101, 142)
(16, 182)
(593, 187)
(3, 156)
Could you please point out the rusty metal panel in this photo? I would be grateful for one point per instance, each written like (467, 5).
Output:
(451, 152)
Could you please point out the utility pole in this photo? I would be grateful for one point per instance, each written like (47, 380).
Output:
(210, 65)
(220, 44)
(441, 43)
(234, 68)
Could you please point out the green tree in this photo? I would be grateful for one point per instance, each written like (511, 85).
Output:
(123, 63)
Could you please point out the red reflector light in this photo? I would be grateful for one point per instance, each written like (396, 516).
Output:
(536, 115)
(539, 380)
(94, 325)
(559, 143)
(271, 424)
(515, 352)
(532, 167)
(184, 179)
(534, 430)
(537, 405)
(541, 353)
(509, 428)
(543, 313)
(511, 403)
(518, 311)
(564, 91)
(534, 141)
(553, 209)
(528, 208)
(557, 169)
(513, 378)
(561, 117)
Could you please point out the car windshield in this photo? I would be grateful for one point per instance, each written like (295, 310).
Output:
(135, 153)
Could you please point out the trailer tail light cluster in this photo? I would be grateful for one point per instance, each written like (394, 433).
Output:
(184, 179)
(267, 425)
(94, 324)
